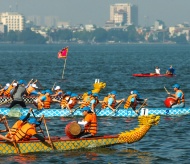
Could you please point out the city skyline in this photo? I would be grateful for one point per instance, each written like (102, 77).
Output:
(97, 12)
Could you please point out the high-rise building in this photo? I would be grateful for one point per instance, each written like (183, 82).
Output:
(13, 20)
(124, 13)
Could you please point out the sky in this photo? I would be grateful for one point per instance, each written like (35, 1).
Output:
(172, 12)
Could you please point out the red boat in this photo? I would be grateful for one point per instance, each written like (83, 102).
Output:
(152, 75)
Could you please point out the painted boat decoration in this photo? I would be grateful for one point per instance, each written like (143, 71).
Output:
(17, 112)
(152, 75)
(64, 143)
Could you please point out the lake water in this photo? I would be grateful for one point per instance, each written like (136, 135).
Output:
(114, 64)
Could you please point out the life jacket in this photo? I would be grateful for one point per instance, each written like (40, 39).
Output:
(113, 103)
(23, 134)
(7, 92)
(74, 102)
(65, 101)
(30, 89)
(128, 102)
(15, 128)
(105, 102)
(86, 101)
(47, 102)
(182, 98)
(91, 127)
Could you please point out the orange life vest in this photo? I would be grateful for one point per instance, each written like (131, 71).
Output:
(91, 127)
(65, 101)
(47, 102)
(105, 102)
(113, 103)
(128, 102)
(74, 102)
(22, 134)
(86, 101)
(15, 128)
(30, 89)
(7, 92)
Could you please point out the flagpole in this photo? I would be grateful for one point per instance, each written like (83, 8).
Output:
(64, 68)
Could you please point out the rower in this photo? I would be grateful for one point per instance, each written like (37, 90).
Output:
(9, 90)
(31, 89)
(133, 100)
(65, 100)
(2, 120)
(4, 89)
(112, 100)
(105, 101)
(86, 100)
(94, 102)
(58, 91)
(170, 71)
(28, 130)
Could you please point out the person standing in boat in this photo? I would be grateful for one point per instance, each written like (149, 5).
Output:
(178, 97)
(89, 122)
(170, 71)
(112, 101)
(133, 100)
(17, 94)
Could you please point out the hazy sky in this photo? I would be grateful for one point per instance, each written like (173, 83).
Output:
(96, 12)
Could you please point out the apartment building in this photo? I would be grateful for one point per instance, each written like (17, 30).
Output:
(124, 13)
(13, 20)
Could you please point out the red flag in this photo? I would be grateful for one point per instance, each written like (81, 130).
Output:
(63, 53)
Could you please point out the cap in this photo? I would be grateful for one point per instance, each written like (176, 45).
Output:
(86, 108)
(48, 91)
(14, 84)
(21, 82)
(176, 86)
(74, 95)
(135, 92)
(22, 118)
(68, 93)
(7, 84)
(33, 121)
(57, 87)
(34, 85)
(113, 92)
(95, 95)
(89, 92)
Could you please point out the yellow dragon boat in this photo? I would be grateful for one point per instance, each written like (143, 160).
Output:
(65, 143)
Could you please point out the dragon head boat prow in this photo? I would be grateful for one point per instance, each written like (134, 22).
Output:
(145, 123)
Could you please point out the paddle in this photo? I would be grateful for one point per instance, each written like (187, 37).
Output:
(14, 143)
(53, 86)
(36, 119)
(166, 90)
(143, 104)
(40, 84)
(29, 82)
(48, 133)
(117, 106)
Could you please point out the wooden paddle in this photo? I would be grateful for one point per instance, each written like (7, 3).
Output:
(143, 104)
(29, 82)
(53, 86)
(48, 133)
(117, 106)
(166, 90)
(39, 84)
(39, 125)
(14, 143)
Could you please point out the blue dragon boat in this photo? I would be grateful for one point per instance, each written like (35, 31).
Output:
(120, 112)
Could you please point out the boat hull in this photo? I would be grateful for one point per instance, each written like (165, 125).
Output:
(17, 112)
(59, 144)
(151, 75)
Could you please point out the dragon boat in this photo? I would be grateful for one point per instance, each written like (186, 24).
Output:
(65, 143)
(17, 112)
